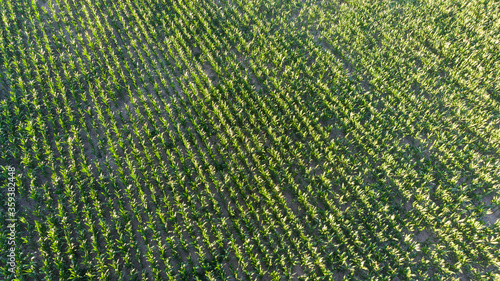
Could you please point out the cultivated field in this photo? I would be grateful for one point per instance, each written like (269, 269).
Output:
(249, 140)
